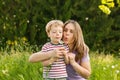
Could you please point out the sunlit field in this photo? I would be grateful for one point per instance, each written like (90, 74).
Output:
(16, 67)
(104, 67)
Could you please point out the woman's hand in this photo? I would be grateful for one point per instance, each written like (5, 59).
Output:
(65, 53)
(71, 58)
(82, 69)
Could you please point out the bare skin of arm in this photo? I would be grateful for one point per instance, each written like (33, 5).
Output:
(53, 59)
(83, 69)
(42, 56)
(48, 62)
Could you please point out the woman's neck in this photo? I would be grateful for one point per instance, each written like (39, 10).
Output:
(70, 46)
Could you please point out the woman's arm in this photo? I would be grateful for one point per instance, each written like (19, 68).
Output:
(84, 69)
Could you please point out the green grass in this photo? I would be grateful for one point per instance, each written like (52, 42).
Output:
(104, 67)
(16, 67)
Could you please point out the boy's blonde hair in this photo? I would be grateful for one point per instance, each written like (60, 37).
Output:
(53, 23)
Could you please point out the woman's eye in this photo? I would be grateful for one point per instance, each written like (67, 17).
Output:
(71, 31)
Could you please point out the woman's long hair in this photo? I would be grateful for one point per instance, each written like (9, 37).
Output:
(78, 44)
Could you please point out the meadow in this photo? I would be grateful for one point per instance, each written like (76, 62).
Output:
(16, 66)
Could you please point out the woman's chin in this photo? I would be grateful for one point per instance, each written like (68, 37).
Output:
(66, 42)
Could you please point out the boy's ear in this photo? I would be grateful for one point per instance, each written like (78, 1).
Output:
(48, 34)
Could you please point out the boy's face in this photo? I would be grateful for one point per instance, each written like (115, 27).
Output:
(55, 34)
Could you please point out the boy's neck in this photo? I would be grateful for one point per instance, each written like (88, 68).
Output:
(55, 43)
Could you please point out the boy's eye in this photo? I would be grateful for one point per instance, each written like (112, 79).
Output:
(54, 32)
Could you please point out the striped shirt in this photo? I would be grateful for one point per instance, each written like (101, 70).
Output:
(58, 68)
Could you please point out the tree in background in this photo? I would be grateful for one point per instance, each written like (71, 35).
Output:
(27, 19)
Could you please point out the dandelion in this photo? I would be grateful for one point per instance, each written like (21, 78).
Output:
(3, 3)
(119, 53)
(117, 71)
(86, 18)
(116, 65)
(61, 42)
(104, 68)
(4, 27)
(4, 71)
(28, 21)
(36, 25)
(6, 18)
(14, 16)
(113, 67)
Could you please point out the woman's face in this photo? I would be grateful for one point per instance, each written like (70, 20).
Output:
(68, 33)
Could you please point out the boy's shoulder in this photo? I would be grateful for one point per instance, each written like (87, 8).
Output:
(47, 44)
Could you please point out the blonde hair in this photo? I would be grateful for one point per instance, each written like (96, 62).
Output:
(78, 43)
(53, 23)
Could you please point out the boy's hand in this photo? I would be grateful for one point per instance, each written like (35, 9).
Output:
(57, 52)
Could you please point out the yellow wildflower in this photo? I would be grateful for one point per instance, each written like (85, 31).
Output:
(15, 42)
(109, 0)
(110, 4)
(9, 42)
(105, 9)
(24, 38)
(103, 1)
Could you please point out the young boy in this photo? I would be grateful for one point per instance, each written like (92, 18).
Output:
(56, 70)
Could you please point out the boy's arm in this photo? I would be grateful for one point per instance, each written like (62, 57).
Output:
(40, 56)
(48, 62)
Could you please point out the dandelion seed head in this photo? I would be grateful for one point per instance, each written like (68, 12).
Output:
(3, 3)
(117, 71)
(113, 66)
(86, 18)
(4, 71)
(28, 21)
(104, 68)
(14, 16)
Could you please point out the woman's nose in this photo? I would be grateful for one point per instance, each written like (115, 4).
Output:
(67, 33)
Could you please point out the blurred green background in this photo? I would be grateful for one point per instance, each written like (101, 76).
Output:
(26, 19)
(22, 32)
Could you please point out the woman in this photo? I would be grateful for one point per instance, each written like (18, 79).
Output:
(79, 67)
(79, 64)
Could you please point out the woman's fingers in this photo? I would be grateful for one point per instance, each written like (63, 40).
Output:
(71, 57)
